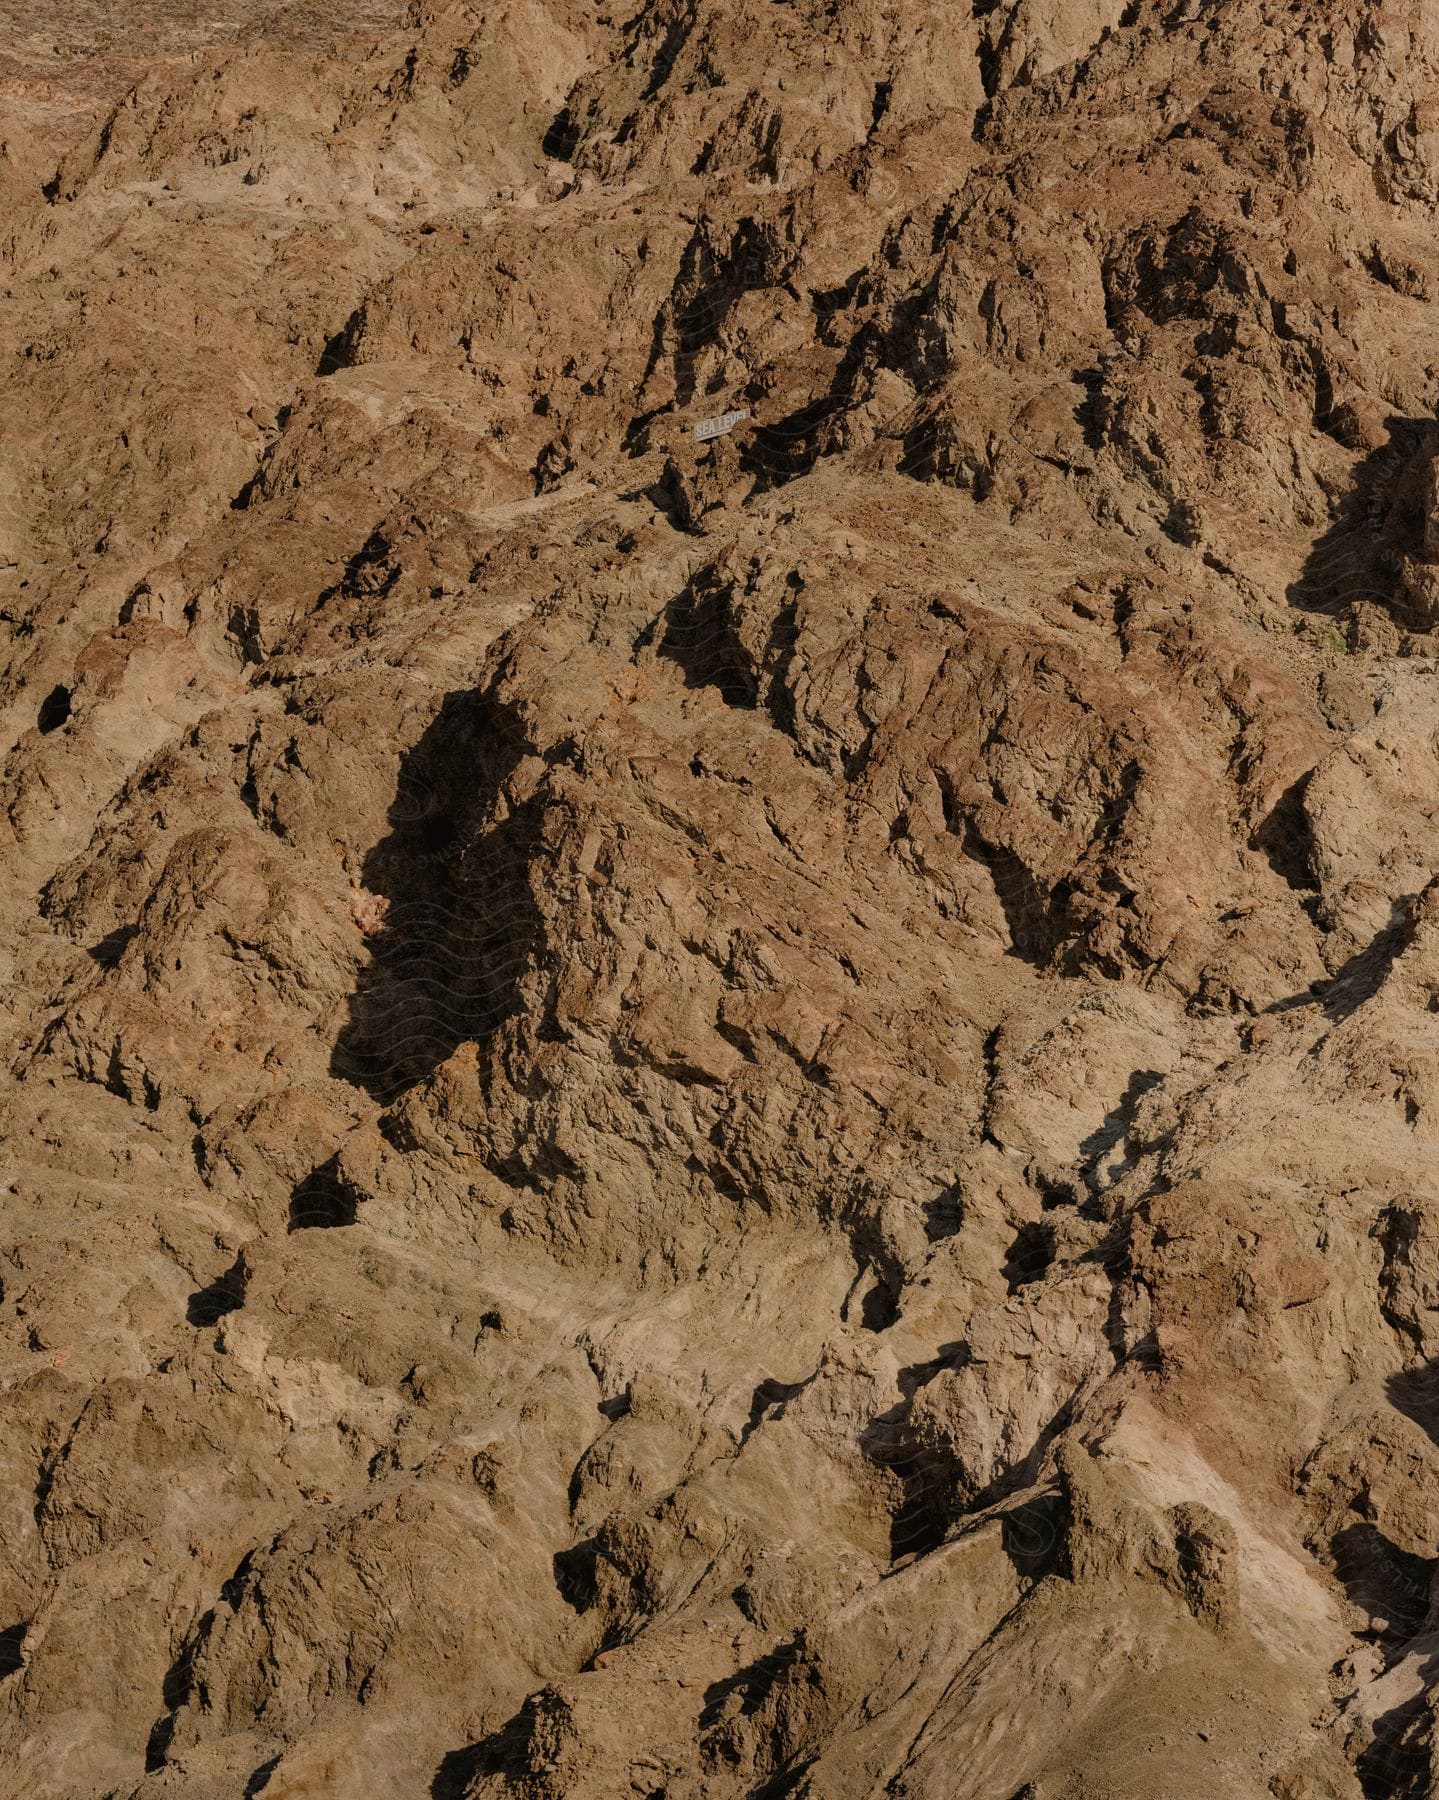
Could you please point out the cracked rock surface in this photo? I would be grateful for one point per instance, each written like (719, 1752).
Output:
(712, 1120)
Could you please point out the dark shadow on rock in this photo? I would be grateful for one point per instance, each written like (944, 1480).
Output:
(1415, 1393)
(1360, 978)
(459, 1768)
(260, 1778)
(505, 1751)
(1398, 1762)
(225, 1294)
(1030, 1254)
(1389, 1583)
(323, 1200)
(371, 572)
(681, 23)
(339, 350)
(944, 1214)
(880, 1306)
(575, 1576)
(175, 1691)
(789, 447)
(1034, 915)
(1033, 1534)
(928, 1497)
(769, 1399)
(110, 948)
(699, 636)
(562, 138)
(787, 1782)
(713, 274)
(668, 494)
(54, 710)
(1116, 1124)
(1283, 838)
(1379, 521)
(700, 632)
(459, 919)
(752, 1684)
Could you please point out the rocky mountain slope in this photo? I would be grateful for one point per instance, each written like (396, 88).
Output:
(736, 1118)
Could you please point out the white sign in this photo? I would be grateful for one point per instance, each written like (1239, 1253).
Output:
(726, 422)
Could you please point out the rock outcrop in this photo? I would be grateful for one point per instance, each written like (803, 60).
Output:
(720, 1118)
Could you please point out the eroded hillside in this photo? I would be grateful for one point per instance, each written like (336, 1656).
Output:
(720, 1119)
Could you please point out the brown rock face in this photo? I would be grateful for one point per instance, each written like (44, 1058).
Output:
(731, 1117)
